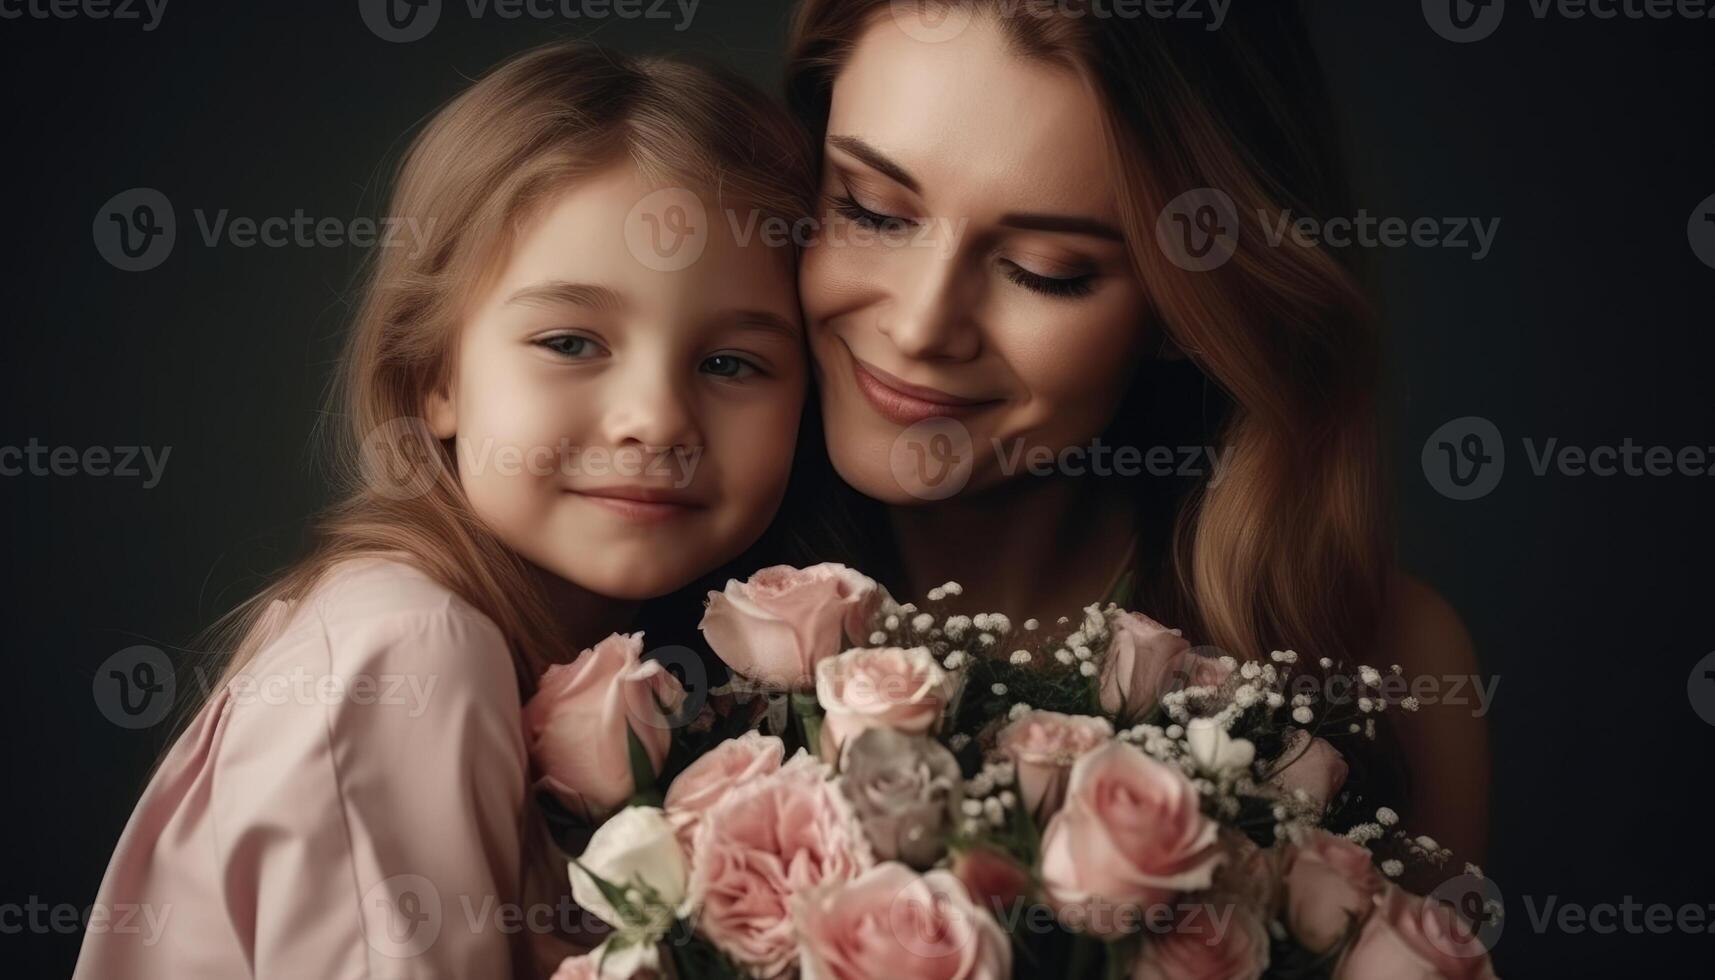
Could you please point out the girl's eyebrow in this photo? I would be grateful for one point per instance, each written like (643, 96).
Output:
(761, 321)
(559, 292)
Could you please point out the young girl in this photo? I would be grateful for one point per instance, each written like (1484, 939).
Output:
(580, 392)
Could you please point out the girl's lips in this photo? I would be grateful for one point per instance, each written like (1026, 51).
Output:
(638, 504)
(907, 404)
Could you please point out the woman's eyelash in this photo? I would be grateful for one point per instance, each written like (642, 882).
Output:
(1048, 285)
(848, 207)
(1073, 286)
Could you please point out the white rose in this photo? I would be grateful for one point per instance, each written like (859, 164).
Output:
(1214, 751)
(636, 847)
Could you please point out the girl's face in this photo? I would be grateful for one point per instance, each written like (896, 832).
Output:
(626, 405)
(998, 294)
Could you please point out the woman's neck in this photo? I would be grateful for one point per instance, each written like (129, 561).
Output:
(1041, 548)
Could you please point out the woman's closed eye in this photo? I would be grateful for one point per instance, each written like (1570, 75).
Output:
(1058, 286)
(846, 205)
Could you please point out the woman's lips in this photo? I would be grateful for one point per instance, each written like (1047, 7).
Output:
(907, 404)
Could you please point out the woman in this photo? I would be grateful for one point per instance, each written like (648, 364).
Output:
(1047, 234)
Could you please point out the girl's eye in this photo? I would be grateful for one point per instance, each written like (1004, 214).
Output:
(1069, 287)
(570, 345)
(728, 366)
(847, 207)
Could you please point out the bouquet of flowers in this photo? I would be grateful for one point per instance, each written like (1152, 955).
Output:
(888, 791)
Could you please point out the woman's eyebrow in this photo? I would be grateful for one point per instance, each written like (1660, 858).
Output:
(1065, 223)
(877, 160)
(1062, 223)
(559, 292)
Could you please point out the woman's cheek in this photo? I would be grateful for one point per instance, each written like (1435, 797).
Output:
(1074, 360)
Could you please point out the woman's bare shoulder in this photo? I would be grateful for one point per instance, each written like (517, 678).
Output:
(1446, 738)
(1423, 630)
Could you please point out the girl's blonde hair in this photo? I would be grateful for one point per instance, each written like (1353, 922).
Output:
(517, 136)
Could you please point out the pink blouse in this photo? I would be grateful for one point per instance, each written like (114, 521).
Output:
(351, 806)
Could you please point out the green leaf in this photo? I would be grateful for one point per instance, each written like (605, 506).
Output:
(614, 894)
(643, 791)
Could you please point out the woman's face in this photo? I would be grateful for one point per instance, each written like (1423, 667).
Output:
(970, 298)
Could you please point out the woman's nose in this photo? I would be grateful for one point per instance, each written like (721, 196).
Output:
(930, 315)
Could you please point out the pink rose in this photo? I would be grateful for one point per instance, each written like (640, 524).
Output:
(892, 922)
(1250, 874)
(1317, 768)
(1409, 938)
(582, 967)
(878, 687)
(1138, 665)
(588, 967)
(706, 781)
(764, 843)
(1330, 882)
(994, 880)
(774, 628)
(1042, 746)
(577, 721)
(1224, 940)
(1129, 838)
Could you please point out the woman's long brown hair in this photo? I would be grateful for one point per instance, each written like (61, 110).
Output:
(1291, 548)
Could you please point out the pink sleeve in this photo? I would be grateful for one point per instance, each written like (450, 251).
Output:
(367, 823)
